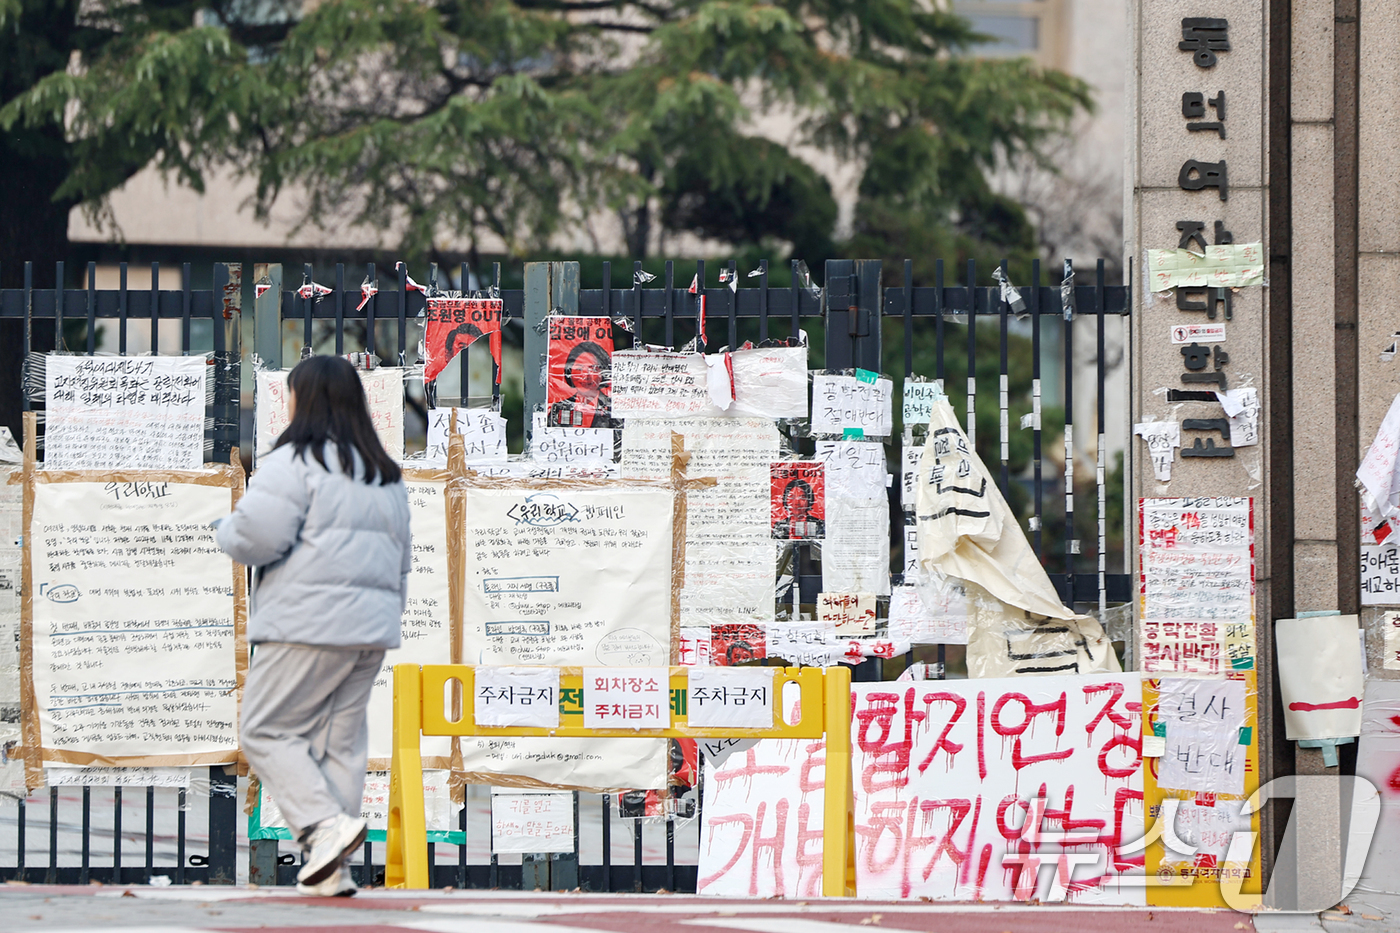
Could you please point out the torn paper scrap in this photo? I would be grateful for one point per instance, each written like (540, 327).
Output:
(1230, 266)
(1320, 676)
(1242, 410)
(1163, 438)
(1377, 477)
(966, 529)
(719, 379)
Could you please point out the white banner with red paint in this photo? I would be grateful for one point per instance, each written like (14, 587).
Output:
(999, 789)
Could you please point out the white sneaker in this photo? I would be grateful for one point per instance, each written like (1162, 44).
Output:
(330, 842)
(337, 885)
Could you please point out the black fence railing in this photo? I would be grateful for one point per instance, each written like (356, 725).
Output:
(994, 350)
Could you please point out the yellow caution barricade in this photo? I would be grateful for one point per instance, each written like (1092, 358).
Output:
(420, 704)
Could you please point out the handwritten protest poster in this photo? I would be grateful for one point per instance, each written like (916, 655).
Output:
(918, 400)
(767, 382)
(797, 500)
(762, 831)
(567, 573)
(728, 547)
(1380, 561)
(1202, 718)
(1320, 676)
(940, 620)
(973, 789)
(134, 630)
(427, 617)
(483, 435)
(124, 413)
(693, 647)
(1203, 821)
(579, 362)
(852, 403)
(570, 445)
(383, 392)
(1197, 584)
(453, 323)
(532, 822)
(848, 613)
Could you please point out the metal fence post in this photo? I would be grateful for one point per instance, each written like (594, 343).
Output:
(223, 826)
(267, 316)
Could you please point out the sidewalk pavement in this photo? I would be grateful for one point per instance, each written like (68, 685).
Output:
(208, 909)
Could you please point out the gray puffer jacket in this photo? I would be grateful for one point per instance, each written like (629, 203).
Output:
(334, 553)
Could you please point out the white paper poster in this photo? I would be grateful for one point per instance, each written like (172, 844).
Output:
(570, 445)
(856, 552)
(483, 435)
(910, 455)
(517, 696)
(1197, 584)
(133, 628)
(1390, 641)
(770, 382)
(848, 614)
(741, 697)
(854, 469)
(1202, 750)
(627, 698)
(914, 620)
(383, 392)
(965, 788)
(918, 400)
(762, 831)
(728, 548)
(841, 403)
(1320, 676)
(532, 823)
(438, 809)
(1163, 438)
(124, 413)
(427, 617)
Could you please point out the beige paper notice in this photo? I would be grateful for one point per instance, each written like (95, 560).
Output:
(1232, 266)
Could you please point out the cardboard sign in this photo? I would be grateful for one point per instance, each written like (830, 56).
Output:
(578, 390)
(517, 696)
(738, 697)
(627, 698)
(965, 788)
(797, 500)
(453, 323)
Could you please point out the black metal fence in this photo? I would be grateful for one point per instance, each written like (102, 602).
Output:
(997, 342)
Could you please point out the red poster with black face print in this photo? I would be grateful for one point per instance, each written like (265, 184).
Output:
(452, 324)
(580, 360)
(798, 500)
(736, 642)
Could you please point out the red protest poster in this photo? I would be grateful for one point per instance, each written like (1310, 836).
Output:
(736, 642)
(580, 357)
(798, 500)
(452, 324)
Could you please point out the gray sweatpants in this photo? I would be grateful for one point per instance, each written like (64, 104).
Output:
(305, 729)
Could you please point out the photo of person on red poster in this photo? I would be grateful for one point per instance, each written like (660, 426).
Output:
(451, 324)
(798, 500)
(580, 358)
(736, 642)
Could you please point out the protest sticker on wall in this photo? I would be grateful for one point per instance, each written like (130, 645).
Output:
(1196, 584)
(150, 585)
(797, 500)
(124, 413)
(383, 392)
(453, 323)
(1204, 822)
(762, 832)
(578, 390)
(964, 789)
(532, 823)
(427, 632)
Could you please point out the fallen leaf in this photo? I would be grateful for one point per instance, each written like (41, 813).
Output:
(1241, 926)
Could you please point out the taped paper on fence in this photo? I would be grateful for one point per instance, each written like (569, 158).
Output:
(1379, 473)
(918, 400)
(769, 382)
(531, 469)
(741, 697)
(627, 698)
(728, 545)
(797, 500)
(580, 352)
(854, 469)
(428, 634)
(1390, 641)
(848, 614)
(452, 323)
(1320, 676)
(842, 403)
(915, 619)
(439, 810)
(1235, 265)
(133, 653)
(483, 435)
(1196, 585)
(1202, 719)
(383, 391)
(965, 788)
(570, 445)
(966, 529)
(856, 552)
(1378, 760)
(762, 830)
(532, 823)
(124, 413)
(1003, 641)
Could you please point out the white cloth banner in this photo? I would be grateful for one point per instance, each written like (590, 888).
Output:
(124, 413)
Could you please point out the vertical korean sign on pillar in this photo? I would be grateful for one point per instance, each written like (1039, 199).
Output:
(1196, 171)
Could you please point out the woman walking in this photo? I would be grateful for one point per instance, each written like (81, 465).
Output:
(325, 522)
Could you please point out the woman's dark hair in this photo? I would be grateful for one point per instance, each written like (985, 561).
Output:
(587, 346)
(331, 408)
